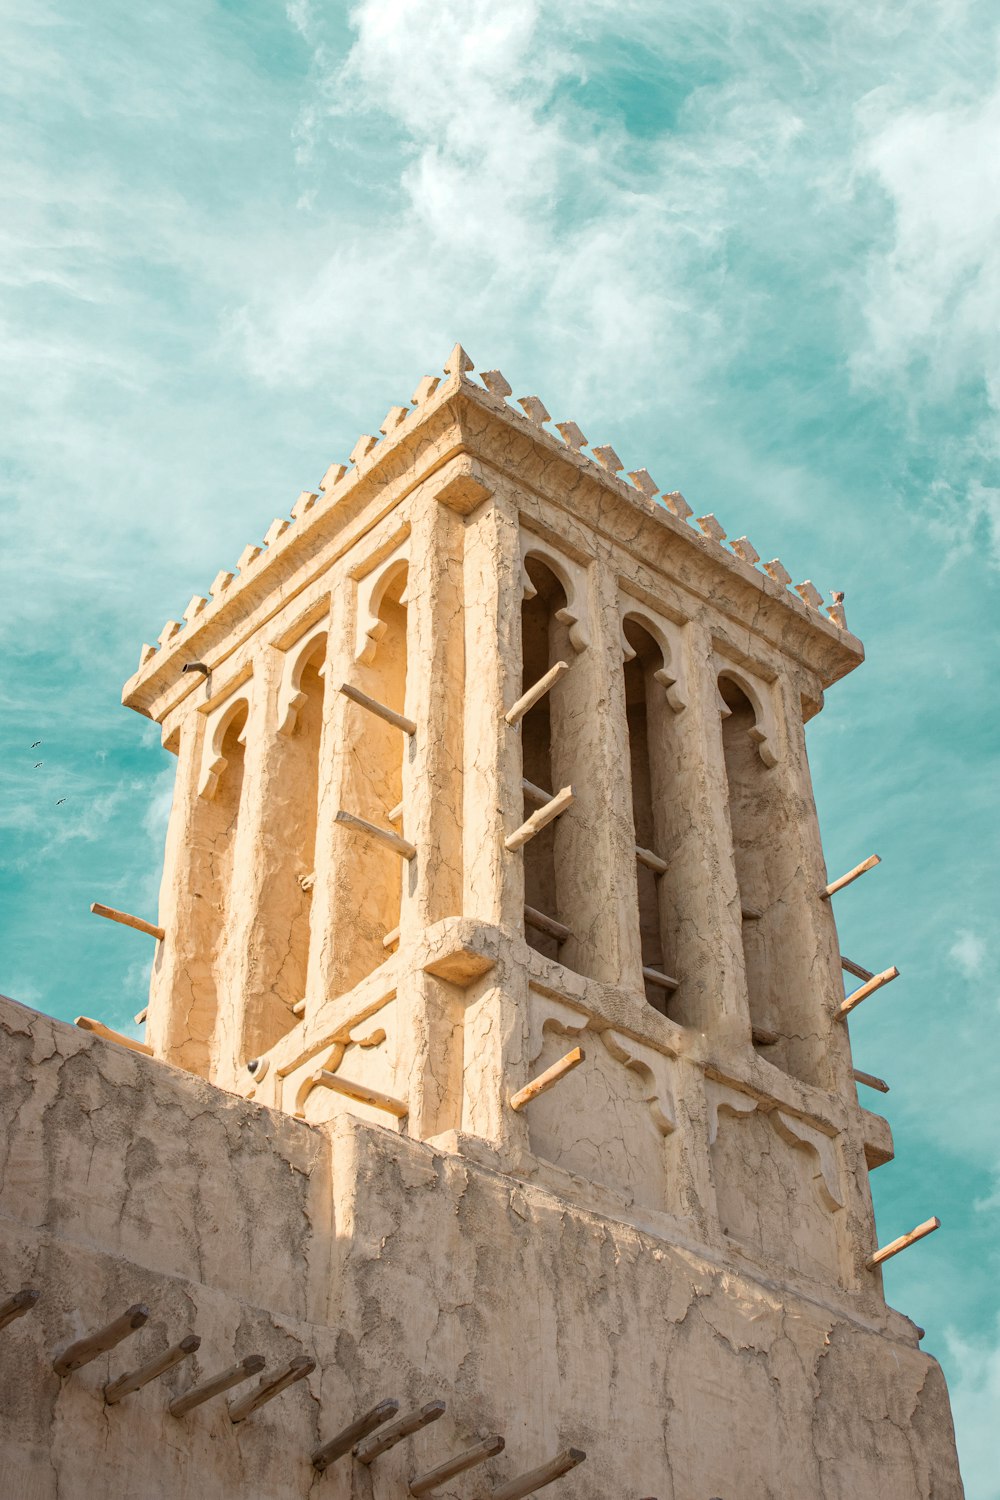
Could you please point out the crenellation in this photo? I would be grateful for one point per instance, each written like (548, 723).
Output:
(362, 448)
(497, 386)
(709, 526)
(534, 410)
(809, 594)
(608, 459)
(745, 551)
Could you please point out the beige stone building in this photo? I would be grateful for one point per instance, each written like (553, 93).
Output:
(496, 1112)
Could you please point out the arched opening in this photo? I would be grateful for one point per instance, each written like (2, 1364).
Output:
(544, 641)
(751, 821)
(370, 881)
(649, 732)
(212, 872)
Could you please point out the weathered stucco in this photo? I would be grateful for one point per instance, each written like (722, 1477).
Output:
(488, 764)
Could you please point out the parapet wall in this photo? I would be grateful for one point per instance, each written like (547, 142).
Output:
(407, 1270)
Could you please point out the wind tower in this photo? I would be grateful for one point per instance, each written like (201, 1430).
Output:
(498, 964)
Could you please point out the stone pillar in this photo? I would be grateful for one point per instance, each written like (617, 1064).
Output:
(702, 894)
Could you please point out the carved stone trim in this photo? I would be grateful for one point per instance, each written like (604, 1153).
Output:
(290, 695)
(213, 762)
(765, 729)
(654, 1070)
(667, 636)
(371, 592)
(573, 578)
(797, 1133)
(722, 1099)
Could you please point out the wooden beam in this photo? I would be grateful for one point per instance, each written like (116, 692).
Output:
(539, 920)
(270, 1386)
(535, 1479)
(126, 1384)
(432, 1479)
(904, 1241)
(517, 710)
(398, 721)
(540, 819)
(533, 793)
(548, 1079)
(838, 885)
(299, 1008)
(391, 939)
(764, 1038)
(875, 983)
(361, 1093)
(855, 969)
(384, 836)
(369, 1448)
(870, 1081)
(80, 1353)
(17, 1305)
(661, 981)
(650, 860)
(343, 1441)
(140, 1017)
(395, 813)
(751, 913)
(216, 1384)
(127, 920)
(98, 1028)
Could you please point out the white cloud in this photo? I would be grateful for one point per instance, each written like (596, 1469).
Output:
(968, 951)
(975, 1398)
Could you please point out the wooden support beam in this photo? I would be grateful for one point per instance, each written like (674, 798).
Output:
(361, 1092)
(548, 1079)
(369, 1448)
(533, 793)
(540, 819)
(855, 969)
(870, 1081)
(535, 1479)
(98, 1028)
(140, 1016)
(539, 920)
(270, 1386)
(399, 721)
(903, 1243)
(127, 920)
(391, 938)
(17, 1305)
(661, 981)
(216, 1384)
(764, 1038)
(517, 710)
(395, 814)
(80, 1353)
(299, 1008)
(384, 836)
(751, 913)
(126, 1384)
(875, 983)
(432, 1479)
(861, 869)
(343, 1441)
(650, 860)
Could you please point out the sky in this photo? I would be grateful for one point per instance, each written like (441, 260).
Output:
(754, 246)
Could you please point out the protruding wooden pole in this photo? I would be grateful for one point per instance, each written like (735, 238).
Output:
(84, 1350)
(126, 1384)
(543, 923)
(548, 1079)
(870, 1081)
(838, 885)
(399, 721)
(850, 967)
(17, 1305)
(385, 836)
(517, 710)
(761, 1037)
(335, 1447)
(271, 1386)
(875, 983)
(527, 1484)
(98, 1028)
(432, 1479)
(127, 920)
(181, 1405)
(904, 1241)
(391, 939)
(650, 860)
(370, 1448)
(540, 819)
(751, 913)
(662, 981)
(361, 1092)
(533, 793)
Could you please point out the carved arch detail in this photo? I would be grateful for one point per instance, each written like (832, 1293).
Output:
(573, 578)
(654, 1070)
(667, 636)
(213, 762)
(765, 729)
(297, 658)
(721, 1099)
(798, 1133)
(372, 590)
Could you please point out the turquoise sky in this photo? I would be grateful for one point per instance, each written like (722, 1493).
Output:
(755, 246)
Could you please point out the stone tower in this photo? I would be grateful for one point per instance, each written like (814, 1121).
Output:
(497, 1061)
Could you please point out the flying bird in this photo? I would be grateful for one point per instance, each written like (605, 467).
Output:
(60, 802)
(39, 763)
(35, 744)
